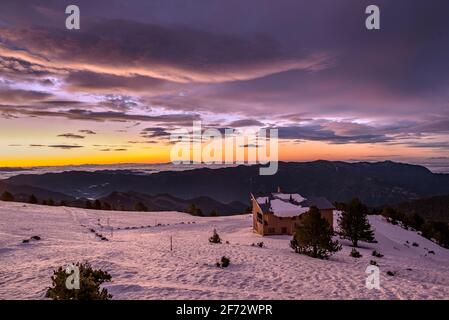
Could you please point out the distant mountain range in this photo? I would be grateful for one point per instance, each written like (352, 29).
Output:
(23, 192)
(375, 184)
(166, 202)
(126, 201)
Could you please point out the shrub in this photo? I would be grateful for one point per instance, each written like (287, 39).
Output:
(373, 263)
(391, 273)
(415, 244)
(431, 252)
(37, 238)
(224, 262)
(260, 244)
(377, 254)
(25, 240)
(215, 237)
(89, 279)
(355, 254)
(314, 236)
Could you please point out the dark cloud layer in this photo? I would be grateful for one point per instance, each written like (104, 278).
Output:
(71, 136)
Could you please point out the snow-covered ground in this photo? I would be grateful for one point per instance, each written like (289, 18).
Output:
(143, 267)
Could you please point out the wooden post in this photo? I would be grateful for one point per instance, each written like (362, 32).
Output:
(171, 243)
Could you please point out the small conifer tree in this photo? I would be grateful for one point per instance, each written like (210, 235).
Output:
(354, 224)
(215, 237)
(314, 236)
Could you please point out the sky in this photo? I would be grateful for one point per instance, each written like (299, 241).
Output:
(113, 91)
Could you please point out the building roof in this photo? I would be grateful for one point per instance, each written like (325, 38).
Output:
(283, 208)
(319, 202)
(290, 204)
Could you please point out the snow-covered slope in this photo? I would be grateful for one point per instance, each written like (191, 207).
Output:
(142, 266)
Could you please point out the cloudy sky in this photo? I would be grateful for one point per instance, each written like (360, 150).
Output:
(113, 91)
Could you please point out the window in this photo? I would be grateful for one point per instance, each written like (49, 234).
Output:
(270, 230)
(284, 230)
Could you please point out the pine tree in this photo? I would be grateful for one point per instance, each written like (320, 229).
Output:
(63, 203)
(191, 209)
(106, 206)
(88, 204)
(415, 220)
(194, 210)
(50, 202)
(97, 205)
(314, 236)
(7, 196)
(214, 213)
(32, 199)
(354, 224)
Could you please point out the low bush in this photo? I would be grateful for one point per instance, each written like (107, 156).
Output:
(377, 254)
(224, 262)
(355, 254)
(90, 281)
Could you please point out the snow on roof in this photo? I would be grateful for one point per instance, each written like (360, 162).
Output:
(290, 204)
(286, 196)
(261, 200)
(283, 208)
